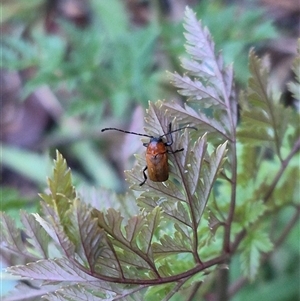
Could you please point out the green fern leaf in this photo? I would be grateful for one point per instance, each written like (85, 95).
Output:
(253, 245)
(11, 237)
(207, 82)
(179, 242)
(62, 192)
(91, 242)
(209, 176)
(55, 230)
(294, 87)
(22, 292)
(264, 120)
(187, 115)
(133, 249)
(170, 206)
(125, 247)
(37, 236)
(74, 293)
(60, 269)
(145, 238)
(111, 222)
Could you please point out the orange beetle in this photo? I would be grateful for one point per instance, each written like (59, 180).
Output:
(156, 154)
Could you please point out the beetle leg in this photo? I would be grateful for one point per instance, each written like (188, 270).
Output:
(169, 143)
(176, 151)
(145, 176)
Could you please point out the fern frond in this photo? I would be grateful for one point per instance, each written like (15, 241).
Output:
(187, 115)
(37, 237)
(294, 87)
(264, 120)
(256, 243)
(91, 241)
(179, 243)
(132, 246)
(11, 238)
(62, 192)
(207, 82)
(59, 234)
(61, 269)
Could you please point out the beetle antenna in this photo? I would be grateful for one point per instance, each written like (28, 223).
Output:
(186, 127)
(127, 132)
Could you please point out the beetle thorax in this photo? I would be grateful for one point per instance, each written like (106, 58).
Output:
(156, 146)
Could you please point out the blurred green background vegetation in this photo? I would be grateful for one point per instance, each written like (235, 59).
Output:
(72, 67)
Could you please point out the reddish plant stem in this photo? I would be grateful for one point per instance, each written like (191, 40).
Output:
(223, 274)
(198, 268)
(284, 165)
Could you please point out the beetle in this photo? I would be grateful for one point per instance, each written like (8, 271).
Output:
(156, 153)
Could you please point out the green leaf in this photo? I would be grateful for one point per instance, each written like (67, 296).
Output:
(62, 192)
(188, 115)
(171, 208)
(22, 292)
(60, 269)
(132, 247)
(14, 48)
(90, 239)
(209, 174)
(12, 201)
(111, 222)
(112, 16)
(195, 164)
(30, 165)
(55, 230)
(94, 291)
(264, 120)
(148, 231)
(248, 208)
(13, 238)
(255, 243)
(95, 165)
(179, 242)
(38, 238)
(93, 249)
(207, 82)
(75, 293)
(249, 163)
(158, 292)
(139, 230)
(294, 87)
